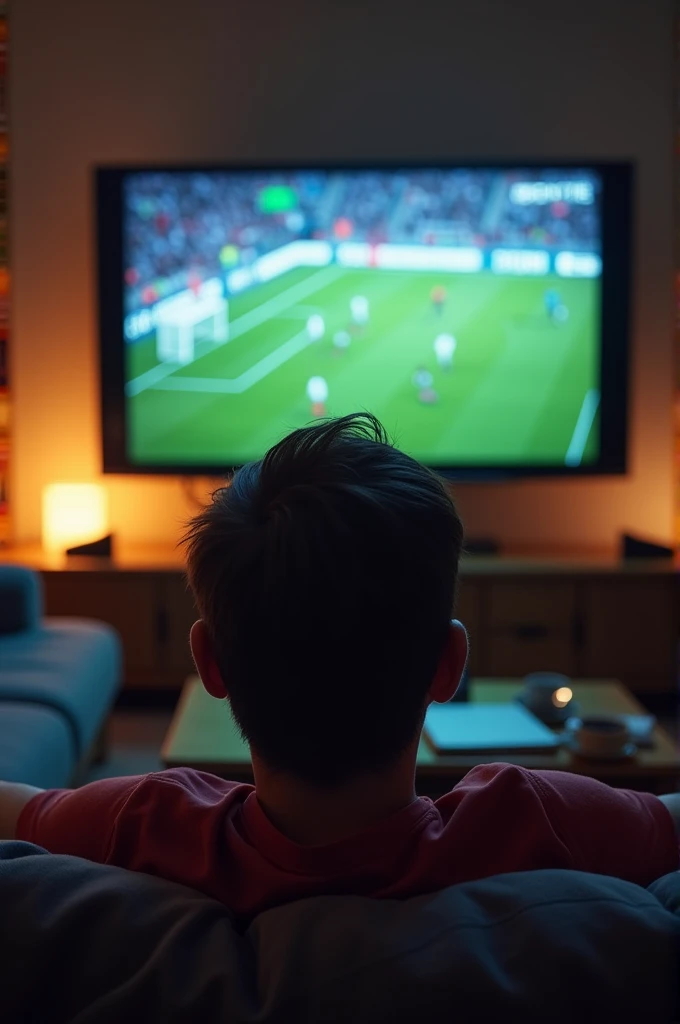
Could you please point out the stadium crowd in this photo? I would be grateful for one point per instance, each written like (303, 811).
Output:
(196, 225)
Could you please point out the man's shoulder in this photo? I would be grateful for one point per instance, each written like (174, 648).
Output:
(498, 774)
(501, 786)
(195, 784)
(179, 802)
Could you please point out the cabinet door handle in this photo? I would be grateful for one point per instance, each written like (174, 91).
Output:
(531, 631)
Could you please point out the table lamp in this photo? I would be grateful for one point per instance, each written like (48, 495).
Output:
(75, 519)
(549, 696)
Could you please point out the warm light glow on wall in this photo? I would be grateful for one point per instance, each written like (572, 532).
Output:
(73, 514)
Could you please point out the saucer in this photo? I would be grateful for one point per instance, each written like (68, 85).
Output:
(626, 753)
(552, 716)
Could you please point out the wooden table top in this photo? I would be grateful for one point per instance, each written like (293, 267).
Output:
(130, 557)
(203, 735)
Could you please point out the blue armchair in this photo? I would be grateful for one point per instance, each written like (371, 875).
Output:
(58, 681)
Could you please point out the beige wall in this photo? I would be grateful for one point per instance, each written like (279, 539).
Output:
(167, 80)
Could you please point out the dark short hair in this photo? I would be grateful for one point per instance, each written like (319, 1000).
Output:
(326, 575)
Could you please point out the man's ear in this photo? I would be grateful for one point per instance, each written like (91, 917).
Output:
(204, 657)
(451, 665)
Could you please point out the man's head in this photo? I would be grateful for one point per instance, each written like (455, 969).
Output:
(325, 577)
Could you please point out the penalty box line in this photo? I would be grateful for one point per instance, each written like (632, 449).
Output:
(237, 385)
(254, 318)
(251, 376)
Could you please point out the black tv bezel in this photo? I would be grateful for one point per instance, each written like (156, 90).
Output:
(615, 313)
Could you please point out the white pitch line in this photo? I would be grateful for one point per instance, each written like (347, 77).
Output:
(254, 318)
(237, 385)
(299, 312)
(582, 429)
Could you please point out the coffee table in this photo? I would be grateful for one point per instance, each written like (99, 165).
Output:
(202, 735)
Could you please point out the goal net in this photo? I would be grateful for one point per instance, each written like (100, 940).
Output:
(186, 319)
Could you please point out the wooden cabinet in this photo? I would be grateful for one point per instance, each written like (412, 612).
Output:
(529, 627)
(179, 616)
(588, 620)
(152, 611)
(630, 631)
(127, 601)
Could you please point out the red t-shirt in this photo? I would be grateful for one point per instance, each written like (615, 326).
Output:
(213, 835)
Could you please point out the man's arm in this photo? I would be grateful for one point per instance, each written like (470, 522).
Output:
(616, 832)
(13, 798)
(79, 822)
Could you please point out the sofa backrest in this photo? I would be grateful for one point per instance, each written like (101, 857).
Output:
(21, 599)
(104, 945)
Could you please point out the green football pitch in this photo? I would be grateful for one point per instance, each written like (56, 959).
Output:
(521, 388)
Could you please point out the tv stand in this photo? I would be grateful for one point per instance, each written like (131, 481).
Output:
(589, 616)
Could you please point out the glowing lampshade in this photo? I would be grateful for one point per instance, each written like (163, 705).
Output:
(562, 696)
(73, 514)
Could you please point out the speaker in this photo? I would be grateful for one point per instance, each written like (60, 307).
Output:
(102, 548)
(635, 547)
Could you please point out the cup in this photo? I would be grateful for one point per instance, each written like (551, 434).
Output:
(600, 736)
(548, 696)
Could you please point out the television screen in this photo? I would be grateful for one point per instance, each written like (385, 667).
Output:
(480, 312)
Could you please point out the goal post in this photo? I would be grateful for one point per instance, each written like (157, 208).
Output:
(187, 318)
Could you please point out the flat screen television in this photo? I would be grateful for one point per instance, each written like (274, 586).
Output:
(480, 311)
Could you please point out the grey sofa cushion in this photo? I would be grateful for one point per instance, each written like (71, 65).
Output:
(81, 942)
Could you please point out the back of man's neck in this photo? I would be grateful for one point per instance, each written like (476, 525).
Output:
(317, 817)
